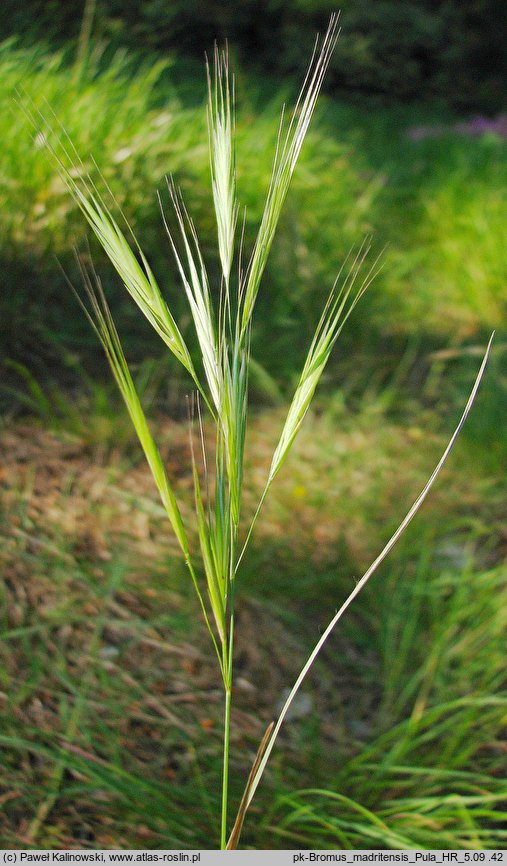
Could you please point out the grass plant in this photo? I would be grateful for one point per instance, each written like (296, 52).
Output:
(359, 172)
(222, 316)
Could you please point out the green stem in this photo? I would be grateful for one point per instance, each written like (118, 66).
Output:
(228, 656)
(225, 776)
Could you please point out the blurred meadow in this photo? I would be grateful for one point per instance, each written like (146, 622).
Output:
(110, 711)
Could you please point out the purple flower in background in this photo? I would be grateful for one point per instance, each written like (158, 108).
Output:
(482, 125)
(474, 127)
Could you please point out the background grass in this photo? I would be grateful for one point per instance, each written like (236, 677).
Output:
(110, 713)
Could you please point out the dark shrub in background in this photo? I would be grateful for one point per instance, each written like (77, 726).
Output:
(414, 49)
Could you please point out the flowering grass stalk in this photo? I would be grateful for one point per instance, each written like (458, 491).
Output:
(223, 323)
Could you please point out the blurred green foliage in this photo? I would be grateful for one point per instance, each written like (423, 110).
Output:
(452, 49)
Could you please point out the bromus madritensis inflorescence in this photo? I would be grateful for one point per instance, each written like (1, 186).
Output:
(222, 316)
